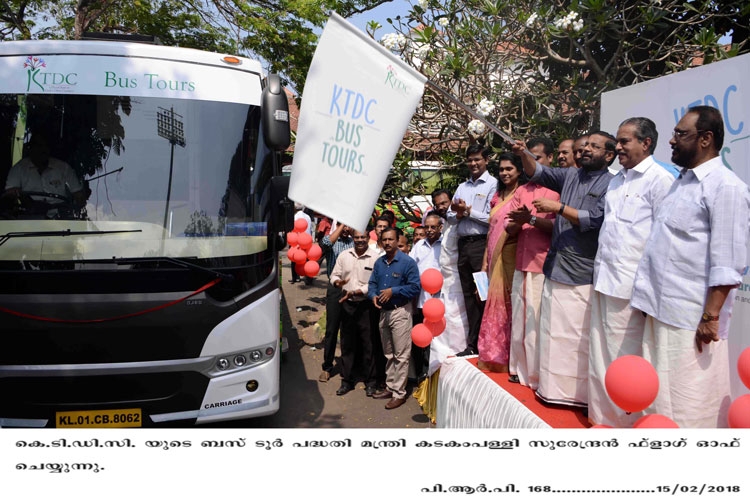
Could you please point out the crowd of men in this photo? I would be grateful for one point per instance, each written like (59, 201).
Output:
(640, 261)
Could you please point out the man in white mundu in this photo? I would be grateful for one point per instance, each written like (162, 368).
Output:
(569, 267)
(633, 197)
(685, 282)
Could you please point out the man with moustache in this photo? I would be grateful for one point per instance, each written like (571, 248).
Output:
(426, 253)
(569, 266)
(470, 211)
(333, 245)
(685, 283)
(393, 284)
(578, 145)
(542, 148)
(351, 275)
(453, 340)
(565, 156)
(633, 197)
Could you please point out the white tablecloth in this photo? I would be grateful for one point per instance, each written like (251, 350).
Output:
(467, 398)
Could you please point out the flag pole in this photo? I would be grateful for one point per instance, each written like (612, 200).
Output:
(475, 115)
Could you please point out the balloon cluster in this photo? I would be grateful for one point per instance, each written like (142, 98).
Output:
(302, 251)
(433, 310)
(739, 410)
(632, 384)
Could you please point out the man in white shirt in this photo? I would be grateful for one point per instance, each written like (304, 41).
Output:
(685, 281)
(426, 253)
(633, 197)
(351, 274)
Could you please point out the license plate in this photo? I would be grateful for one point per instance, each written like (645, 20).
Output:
(98, 418)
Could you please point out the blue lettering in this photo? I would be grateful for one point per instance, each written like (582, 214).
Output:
(355, 105)
(726, 109)
(334, 100)
(727, 121)
(710, 100)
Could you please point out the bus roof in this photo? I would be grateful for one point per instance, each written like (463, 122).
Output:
(132, 49)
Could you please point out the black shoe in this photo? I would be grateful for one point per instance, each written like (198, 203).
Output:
(514, 379)
(370, 391)
(469, 351)
(294, 281)
(345, 387)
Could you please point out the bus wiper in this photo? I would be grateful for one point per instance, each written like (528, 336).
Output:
(67, 232)
(178, 262)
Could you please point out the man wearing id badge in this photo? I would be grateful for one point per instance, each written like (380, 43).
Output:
(470, 211)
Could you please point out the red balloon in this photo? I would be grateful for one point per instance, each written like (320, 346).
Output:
(739, 413)
(315, 252)
(655, 421)
(743, 367)
(433, 310)
(290, 253)
(421, 335)
(311, 268)
(300, 225)
(299, 269)
(436, 327)
(304, 240)
(299, 256)
(431, 280)
(631, 383)
(291, 239)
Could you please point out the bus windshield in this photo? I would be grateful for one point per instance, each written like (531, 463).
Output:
(130, 177)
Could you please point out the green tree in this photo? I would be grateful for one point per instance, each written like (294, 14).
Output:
(541, 66)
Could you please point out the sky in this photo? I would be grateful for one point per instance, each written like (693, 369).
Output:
(380, 14)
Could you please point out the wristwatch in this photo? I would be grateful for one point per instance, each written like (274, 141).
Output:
(532, 221)
(708, 317)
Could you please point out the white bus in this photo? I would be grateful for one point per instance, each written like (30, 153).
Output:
(139, 223)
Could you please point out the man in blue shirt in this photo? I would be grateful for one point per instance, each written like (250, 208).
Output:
(393, 285)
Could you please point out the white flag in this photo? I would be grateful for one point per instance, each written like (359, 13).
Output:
(356, 104)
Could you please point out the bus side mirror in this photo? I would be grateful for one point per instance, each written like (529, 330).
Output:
(282, 208)
(275, 114)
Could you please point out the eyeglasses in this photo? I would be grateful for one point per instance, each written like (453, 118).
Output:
(682, 134)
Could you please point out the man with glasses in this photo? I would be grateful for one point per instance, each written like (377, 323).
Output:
(569, 267)
(692, 262)
(633, 196)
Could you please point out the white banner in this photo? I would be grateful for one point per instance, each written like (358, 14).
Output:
(356, 104)
(665, 100)
(132, 76)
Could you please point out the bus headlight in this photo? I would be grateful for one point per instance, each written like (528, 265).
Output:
(240, 360)
(222, 363)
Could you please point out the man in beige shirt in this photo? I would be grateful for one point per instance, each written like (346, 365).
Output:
(358, 315)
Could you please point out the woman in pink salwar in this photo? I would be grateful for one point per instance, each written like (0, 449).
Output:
(499, 263)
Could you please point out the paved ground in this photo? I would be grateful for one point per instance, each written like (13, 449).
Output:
(307, 403)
